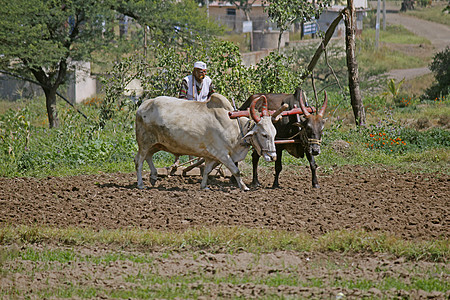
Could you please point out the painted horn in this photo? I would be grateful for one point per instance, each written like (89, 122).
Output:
(253, 113)
(324, 106)
(264, 109)
(303, 107)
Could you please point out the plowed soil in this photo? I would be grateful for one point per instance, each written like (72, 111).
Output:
(410, 205)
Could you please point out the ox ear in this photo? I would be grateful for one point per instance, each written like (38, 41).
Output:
(249, 134)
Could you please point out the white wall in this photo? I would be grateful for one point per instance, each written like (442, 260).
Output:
(82, 85)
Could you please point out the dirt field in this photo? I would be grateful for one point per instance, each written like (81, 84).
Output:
(412, 206)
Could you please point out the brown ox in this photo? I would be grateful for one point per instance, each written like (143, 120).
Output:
(201, 129)
(306, 132)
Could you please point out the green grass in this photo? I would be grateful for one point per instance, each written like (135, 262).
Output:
(377, 61)
(431, 13)
(47, 250)
(397, 34)
(227, 239)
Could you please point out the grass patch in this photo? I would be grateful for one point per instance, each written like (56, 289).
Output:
(431, 13)
(223, 239)
(397, 34)
(385, 58)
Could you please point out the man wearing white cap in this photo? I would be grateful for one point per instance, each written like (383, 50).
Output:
(197, 86)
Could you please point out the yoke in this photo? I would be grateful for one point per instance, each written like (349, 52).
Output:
(294, 111)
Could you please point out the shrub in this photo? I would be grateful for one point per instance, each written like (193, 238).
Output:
(440, 67)
(389, 137)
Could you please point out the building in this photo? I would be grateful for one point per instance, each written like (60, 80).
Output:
(236, 20)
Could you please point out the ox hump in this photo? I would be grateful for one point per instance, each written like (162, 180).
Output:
(219, 101)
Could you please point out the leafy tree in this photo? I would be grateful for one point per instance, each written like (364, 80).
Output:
(440, 67)
(42, 37)
(285, 12)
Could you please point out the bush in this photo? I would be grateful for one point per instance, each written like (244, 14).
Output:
(440, 68)
(392, 138)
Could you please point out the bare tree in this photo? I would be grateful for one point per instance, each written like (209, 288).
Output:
(352, 65)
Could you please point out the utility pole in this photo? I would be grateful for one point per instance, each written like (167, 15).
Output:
(207, 8)
(384, 15)
(377, 25)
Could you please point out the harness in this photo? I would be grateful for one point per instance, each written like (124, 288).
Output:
(315, 141)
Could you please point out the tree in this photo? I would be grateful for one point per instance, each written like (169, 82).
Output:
(352, 65)
(285, 12)
(41, 37)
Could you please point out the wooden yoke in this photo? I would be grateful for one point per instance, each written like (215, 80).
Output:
(246, 113)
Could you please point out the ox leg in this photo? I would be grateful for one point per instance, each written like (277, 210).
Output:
(278, 168)
(153, 170)
(209, 166)
(231, 165)
(138, 163)
(313, 167)
(255, 160)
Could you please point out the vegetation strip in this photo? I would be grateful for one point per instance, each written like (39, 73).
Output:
(231, 239)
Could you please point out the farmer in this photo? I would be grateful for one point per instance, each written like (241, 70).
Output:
(197, 86)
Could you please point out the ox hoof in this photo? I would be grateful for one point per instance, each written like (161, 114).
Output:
(153, 181)
(204, 188)
(316, 186)
(245, 188)
(142, 187)
(255, 184)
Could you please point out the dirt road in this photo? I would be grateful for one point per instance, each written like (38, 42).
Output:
(437, 34)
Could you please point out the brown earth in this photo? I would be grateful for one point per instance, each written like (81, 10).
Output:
(412, 206)
(409, 205)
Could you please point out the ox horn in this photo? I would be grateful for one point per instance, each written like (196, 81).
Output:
(264, 110)
(324, 106)
(303, 107)
(277, 114)
(253, 113)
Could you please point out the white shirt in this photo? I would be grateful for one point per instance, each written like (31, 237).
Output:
(192, 93)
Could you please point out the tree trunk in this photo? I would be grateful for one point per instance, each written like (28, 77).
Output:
(50, 90)
(352, 65)
(50, 101)
(279, 40)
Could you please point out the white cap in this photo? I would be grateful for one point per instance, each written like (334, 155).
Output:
(200, 65)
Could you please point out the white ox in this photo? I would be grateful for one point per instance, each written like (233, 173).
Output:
(202, 129)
